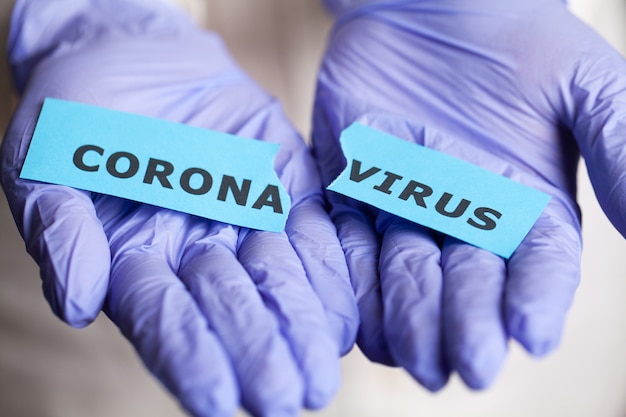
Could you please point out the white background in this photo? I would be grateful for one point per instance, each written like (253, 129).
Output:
(50, 370)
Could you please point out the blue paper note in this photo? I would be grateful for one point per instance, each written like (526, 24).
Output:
(437, 190)
(198, 171)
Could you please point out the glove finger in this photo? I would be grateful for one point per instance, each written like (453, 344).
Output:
(66, 239)
(361, 247)
(268, 377)
(281, 280)
(594, 106)
(154, 310)
(314, 239)
(412, 284)
(473, 291)
(61, 231)
(544, 273)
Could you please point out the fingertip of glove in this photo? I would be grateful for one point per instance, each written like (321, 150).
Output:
(434, 382)
(281, 393)
(538, 335)
(344, 330)
(373, 345)
(76, 318)
(202, 404)
(431, 371)
(322, 394)
(477, 384)
(430, 376)
(320, 369)
(74, 312)
(278, 410)
(479, 363)
(76, 298)
(478, 379)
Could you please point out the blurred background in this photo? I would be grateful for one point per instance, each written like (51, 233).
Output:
(50, 370)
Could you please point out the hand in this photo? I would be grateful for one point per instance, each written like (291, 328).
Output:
(220, 314)
(516, 87)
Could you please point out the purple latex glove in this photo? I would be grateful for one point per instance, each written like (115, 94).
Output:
(519, 88)
(220, 314)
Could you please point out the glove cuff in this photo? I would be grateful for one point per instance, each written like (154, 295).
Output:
(40, 27)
